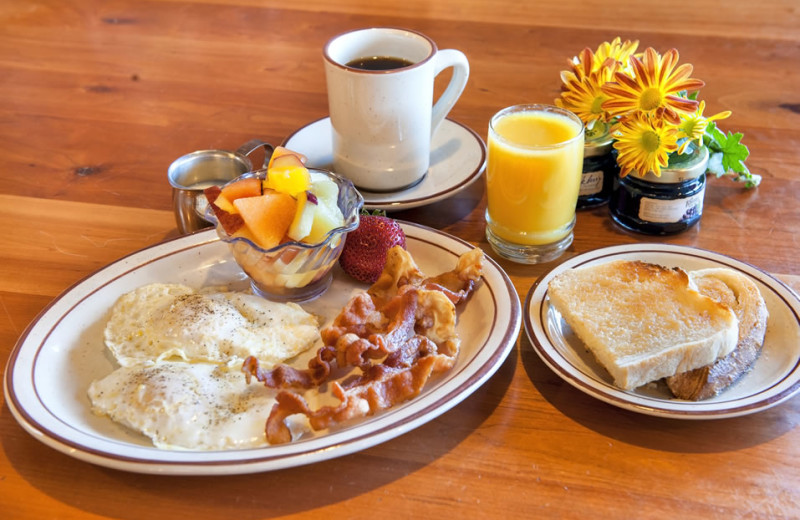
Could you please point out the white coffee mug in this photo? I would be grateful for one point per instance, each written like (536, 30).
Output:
(382, 120)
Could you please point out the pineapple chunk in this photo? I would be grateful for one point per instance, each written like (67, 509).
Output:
(288, 175)
(304, 216)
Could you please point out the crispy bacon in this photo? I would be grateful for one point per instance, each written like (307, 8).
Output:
(390, 387)
(397, 334)
(460, 282)
(285, 376)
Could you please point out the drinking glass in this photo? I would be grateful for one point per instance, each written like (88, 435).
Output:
(533, 177)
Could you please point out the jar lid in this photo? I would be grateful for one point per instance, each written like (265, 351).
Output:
(693, 168)
(598, 141)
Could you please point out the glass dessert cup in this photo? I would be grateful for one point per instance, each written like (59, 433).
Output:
(294, 271)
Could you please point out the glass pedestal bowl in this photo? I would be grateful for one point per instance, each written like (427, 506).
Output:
(294, 271)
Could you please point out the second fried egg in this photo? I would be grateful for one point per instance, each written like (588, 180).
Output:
(171, 321)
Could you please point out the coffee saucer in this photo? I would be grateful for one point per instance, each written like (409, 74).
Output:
(458, 158)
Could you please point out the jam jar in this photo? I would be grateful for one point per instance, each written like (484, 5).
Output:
(663, 205)
(599, 168)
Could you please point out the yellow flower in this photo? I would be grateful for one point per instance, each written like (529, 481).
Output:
(693, 126)
(643, 144)
(653, 87)
(616, 50)
(582, 88)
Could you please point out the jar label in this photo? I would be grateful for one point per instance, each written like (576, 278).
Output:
(591, 183)
(669, 211)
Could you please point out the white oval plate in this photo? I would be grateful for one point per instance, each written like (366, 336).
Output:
(773, 378)
(62, 351)
(458, 157)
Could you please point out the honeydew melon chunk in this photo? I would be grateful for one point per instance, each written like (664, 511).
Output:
(325, 219)
(326, 191)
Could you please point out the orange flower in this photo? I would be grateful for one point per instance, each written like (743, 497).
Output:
(653, 87)
(643, 144)
(582, 88)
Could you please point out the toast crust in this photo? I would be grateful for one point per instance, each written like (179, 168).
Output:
(742, 295)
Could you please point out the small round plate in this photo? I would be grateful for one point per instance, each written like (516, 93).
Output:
(458, 158)
(773, 378)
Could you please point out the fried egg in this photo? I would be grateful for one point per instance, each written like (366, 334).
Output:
(159, 322)
(180, 353)
(179, 405)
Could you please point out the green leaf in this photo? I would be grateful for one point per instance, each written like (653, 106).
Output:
(714, 137)
(734, 153)
(374, 212)
(679, 160)
(727, 156)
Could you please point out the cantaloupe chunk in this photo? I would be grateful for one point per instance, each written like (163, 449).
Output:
(248, 187)
(224, 204)
(244, 232)
(226, 214)
(268, 216)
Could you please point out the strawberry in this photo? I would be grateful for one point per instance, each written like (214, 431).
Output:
(365, 248)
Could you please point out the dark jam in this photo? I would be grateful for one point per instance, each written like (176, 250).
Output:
(599, 171)
(663, 205)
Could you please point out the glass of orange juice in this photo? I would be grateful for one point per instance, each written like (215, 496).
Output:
(533, 177)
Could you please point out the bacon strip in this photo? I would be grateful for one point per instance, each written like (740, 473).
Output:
(397, 334)
(460, 282)
(393, 386)
(285, 376)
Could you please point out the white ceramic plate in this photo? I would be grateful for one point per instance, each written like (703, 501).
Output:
(458, 157)
(62, 351)
(773, 378)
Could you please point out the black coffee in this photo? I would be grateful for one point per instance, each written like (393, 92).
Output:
(379, 63)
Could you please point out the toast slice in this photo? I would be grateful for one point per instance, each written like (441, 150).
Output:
(642, 321)
(741, 294)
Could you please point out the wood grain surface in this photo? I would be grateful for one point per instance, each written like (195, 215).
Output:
(97, 98)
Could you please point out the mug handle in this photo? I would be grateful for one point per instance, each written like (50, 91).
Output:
(254, 144)
(449, 58)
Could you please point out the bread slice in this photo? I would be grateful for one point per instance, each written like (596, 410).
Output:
(741, 294)
(643, 321)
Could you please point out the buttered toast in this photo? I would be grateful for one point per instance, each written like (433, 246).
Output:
(643, 321)
(741, 294)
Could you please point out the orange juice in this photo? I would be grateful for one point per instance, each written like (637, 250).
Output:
(533, 175)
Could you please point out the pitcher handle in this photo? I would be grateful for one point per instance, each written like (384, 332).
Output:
(254, 144)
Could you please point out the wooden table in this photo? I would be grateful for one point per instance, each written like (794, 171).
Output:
(98, 97)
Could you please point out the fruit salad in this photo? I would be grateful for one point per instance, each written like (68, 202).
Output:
(285, 225)
(290, 203)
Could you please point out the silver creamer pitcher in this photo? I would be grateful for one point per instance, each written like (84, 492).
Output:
(191, 174)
